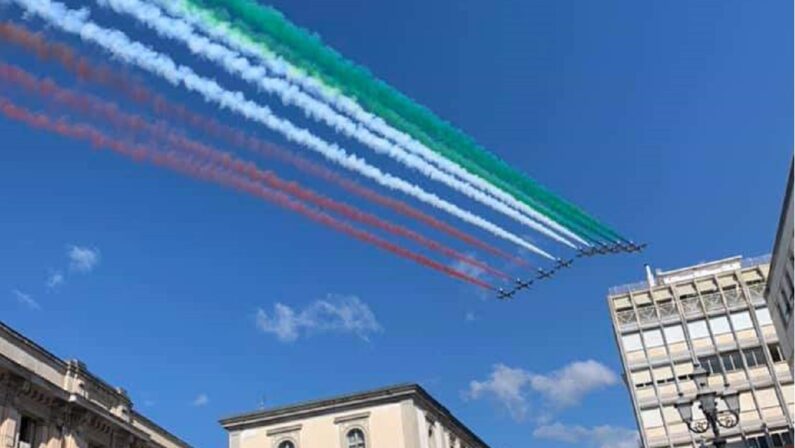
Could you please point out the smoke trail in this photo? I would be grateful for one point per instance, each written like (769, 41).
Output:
(211, 173)
(290, 93)
(104, 75)
(117, 43)
(236, 64)
(305, 50)
(103, 110)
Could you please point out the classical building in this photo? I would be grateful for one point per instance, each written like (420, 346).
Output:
(46, 402)
(779, 283)
(402, 416)
(713, 315)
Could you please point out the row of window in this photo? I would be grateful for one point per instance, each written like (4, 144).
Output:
(779, 439)
(697, 329)
(733, 360)
(354, 439)
(690, 304)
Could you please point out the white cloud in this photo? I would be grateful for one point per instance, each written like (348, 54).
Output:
(470, 316)
(26, 299)
(505, 384)
(337, 314)
(567, 386)
(604, 436)
(201, 400)
(514, 388)
(55, 279)
(83, 259)
(467, 268)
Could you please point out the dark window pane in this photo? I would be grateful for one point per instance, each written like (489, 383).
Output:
(727, 362)
(775, 353)
(715, 364)
(737, 360)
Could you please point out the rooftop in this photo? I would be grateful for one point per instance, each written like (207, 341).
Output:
(60, 365)
(389, 394)
(690, 272)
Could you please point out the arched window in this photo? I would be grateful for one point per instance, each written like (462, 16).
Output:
(286, 444)
(356, 439)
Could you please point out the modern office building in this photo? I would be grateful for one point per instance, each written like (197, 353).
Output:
(46, 402)
(779, 284)
(714, 315)
(402, 416)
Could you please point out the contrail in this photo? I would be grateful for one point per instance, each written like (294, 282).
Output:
(291, 93)
(117, 43)
(236, 64)
(212, 173)
(306, 50)
(102, 74)
(102, 110)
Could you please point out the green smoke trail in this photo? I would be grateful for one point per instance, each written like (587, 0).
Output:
(271, 30)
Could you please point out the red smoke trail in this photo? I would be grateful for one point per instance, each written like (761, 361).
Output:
(102, 74)
(99, 109)
(212, 173)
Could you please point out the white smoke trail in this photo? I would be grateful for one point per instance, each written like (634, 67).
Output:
(236, 64)
(222, 32)
(119, 45)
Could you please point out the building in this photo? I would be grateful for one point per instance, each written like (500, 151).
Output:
(402, 416)
(46, 402)
(712, 314)
(779, 284)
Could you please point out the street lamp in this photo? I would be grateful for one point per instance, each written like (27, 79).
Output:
(707, 398)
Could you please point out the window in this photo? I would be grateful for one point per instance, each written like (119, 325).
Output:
(719, 325)
(785, 307)
(26, 432)
(674, 334)
(754, 357)
(741, 321)
(27, 429)
(651, 418)
(632, 342)
(764, 316)
(698, 329)
(355, 438)
(733, 360)
(653, 338)
(775, 353)
(711, 364)
(286, 444)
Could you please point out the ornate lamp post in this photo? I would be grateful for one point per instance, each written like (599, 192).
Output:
(707, 398)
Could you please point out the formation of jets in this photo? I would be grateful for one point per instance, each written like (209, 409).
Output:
(601, 249)
(542, 274)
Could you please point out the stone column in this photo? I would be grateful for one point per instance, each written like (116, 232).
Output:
(10, 388)
(55, 425)
(74, 430)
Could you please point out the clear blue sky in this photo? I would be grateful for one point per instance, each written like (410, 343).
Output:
(672, 121)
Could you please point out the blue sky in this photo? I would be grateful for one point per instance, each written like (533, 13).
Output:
(671, 121)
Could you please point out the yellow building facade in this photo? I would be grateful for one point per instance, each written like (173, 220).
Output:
(403, 416)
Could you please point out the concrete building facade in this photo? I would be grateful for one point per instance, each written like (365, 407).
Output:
(714, 315)
(403, 416)
(46, 402)
(780, 282)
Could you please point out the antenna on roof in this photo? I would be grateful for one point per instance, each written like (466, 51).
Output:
(649, 276)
